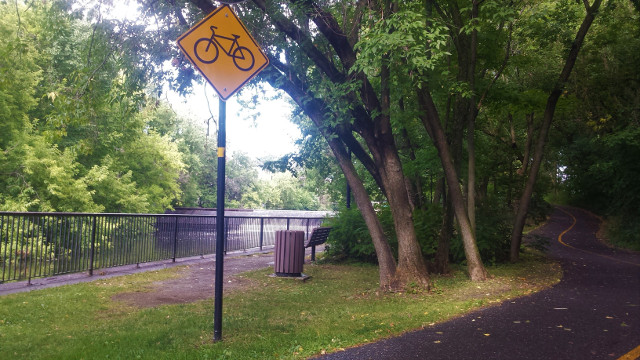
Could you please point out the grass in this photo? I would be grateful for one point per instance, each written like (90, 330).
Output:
(270, 318)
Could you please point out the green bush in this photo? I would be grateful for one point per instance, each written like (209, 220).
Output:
(350, 238)
(428, 223)
(493, 230)
(624, 232)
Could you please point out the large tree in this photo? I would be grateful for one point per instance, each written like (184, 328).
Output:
(554, 96)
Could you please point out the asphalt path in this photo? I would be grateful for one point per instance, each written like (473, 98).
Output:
(593, 313)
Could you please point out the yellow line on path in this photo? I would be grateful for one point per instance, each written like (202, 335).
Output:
(583, 250)
(631, 355)
(635, 353)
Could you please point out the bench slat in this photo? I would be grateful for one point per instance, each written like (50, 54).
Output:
(318, 237)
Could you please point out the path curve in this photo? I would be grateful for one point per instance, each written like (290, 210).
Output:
(593, 313)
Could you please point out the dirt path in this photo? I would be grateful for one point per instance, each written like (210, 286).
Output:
(593, 313)
(196, 282)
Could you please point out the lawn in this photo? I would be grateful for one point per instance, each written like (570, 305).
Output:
(268, 318)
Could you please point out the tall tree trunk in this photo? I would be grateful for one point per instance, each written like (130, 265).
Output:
(527, 146)
(471, 176)
(386, 262)
(471, 121)
(411, 265)
(438, 193)
(431, 121)
(314, 109)
(441, 261)
(413, 182)
(552, 101)
(381, 157)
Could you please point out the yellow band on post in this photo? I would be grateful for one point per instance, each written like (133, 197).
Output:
(220, 152)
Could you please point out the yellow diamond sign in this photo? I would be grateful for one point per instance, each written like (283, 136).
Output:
(222, 49)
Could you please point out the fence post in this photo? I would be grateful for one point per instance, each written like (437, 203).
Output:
(226, 233)
(288, 223)
(261, 232)
(93, 246)
(175, 239)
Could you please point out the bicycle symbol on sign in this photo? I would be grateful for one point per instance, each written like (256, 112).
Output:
(206, 50)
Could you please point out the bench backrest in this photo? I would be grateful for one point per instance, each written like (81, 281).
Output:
(318, 236)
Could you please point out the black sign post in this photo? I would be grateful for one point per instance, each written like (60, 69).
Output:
(217, 314)
(224, 52)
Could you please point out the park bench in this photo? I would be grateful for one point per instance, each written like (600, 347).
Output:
(318, 237)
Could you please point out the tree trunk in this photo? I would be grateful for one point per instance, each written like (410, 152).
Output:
(471, 176)
(441, 261)
(413, 183)
(386, 261)
(438, 193)
(431, 121)
(552, 101)
(527, 146)
(411, 265)
(471, 121)
(314, 109)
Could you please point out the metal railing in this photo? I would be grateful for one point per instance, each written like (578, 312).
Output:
(45, 244)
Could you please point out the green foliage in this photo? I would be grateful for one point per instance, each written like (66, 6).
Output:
(116, 192)
(623, 230)
(349, 237)
(602, 172)
(242, 177)
(284, 191)
(493, 230)
(428, 223)
(604, 176)
(71, 134)
(408, 36)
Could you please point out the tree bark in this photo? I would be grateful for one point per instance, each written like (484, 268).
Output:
(431, 120)
(441, 261)
(315, 110)
(527, 146)
(471, 122)
(552, 101)
(386, 262)
(411, 265)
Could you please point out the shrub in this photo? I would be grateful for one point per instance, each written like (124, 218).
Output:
(623, 231)
(493, 230)
(349, 237)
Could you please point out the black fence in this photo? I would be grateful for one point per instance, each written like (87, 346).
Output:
(46, 244)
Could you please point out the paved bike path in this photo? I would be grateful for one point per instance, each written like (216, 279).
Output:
(593, 313)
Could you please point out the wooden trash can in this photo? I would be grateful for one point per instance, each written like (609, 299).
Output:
(289, 253)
